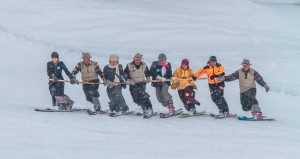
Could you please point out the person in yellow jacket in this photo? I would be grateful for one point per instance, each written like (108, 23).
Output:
(215, 70)
(185, 86)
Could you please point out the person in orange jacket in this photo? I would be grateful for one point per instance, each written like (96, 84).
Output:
(185, 86)
(215, 70)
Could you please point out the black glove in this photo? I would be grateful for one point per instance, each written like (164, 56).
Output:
(213, 77)
(74, 81)
(267, 88)
(54, 78)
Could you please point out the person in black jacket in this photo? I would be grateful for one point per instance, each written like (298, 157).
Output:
(54, 72)
(161, 70)
(113, 73)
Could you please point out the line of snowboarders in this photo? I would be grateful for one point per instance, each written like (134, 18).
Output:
(137, 74)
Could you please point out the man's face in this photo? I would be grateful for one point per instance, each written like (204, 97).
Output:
(113, 63)
(54, 60)
(246, 67)
(162, 62)
(86, 61)
(212, 63)
(137, 61)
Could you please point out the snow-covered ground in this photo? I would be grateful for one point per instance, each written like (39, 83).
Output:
(265, 31)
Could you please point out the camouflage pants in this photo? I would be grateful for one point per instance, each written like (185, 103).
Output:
(140, 96)
(217, 96)
(248, 99)
(163, 96)
(56, 88)
(116, 98)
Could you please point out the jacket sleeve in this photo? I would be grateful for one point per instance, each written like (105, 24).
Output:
(153, 71)
(98, 70)
(126, 73)
(232, 77)
(259, 79)
(49, 73)
(76, 69)
(199, 73)
(64, 67)
(169, 72)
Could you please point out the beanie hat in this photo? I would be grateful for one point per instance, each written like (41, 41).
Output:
(213, 58)
(162, 56)
(185, 62)
(114, 57)
(86, 55)
(54, 55)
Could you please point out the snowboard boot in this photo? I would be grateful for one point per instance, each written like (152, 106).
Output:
(257, 115)
(124, 109)
(150, 111)
(193, 111)
(171, 109)
(62, 106)
(223, 114)
(97, 105)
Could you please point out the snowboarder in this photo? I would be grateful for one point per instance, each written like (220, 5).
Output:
(113, 73)
(247, 77)
(90, 70)
(185, 86)
(216, 87)
(54, 71)
(161, 70)
(136, 72)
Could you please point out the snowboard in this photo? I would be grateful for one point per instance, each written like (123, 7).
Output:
(167, 115)
(90, 112)
(186, 115)
(120, 114)
(56, 110)
(146, 116)
(216, 116)
(245, 118)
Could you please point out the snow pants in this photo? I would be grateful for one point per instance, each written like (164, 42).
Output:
(187, 96)
(116, 98)
(140, 96)
(91, 90)
(163, 96)
(217, 96)
(248, 99)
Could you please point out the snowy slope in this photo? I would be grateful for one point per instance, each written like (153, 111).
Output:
(267, 32)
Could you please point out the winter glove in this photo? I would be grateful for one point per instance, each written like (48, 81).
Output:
(74, 81)
(267, 88)
(109, 83)
(130, 82)
(221, 78)
(148, 80)
(163, 79)
(213, 77)
(104, 82)
(54, 79)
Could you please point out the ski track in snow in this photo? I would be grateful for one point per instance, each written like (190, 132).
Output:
(231, 30)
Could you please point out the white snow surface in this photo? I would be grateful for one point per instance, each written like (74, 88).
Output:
(264, 31)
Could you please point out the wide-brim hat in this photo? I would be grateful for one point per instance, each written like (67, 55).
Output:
(246, 62)
(138, 56)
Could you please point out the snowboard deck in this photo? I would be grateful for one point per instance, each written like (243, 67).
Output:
(186, 115)
(245, 118)
(90, 112)
(56, 110)
(167, 115)
(120, 114)
(216, 116)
